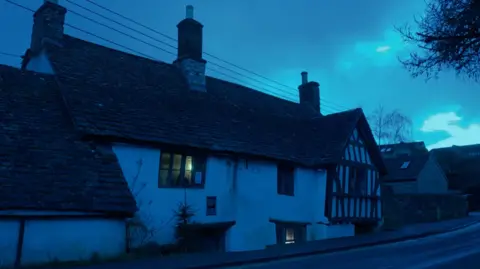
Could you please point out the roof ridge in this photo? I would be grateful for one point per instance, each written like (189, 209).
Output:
(248, 88)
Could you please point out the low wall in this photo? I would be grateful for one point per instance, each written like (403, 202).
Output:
(60, 239)
(404, 209)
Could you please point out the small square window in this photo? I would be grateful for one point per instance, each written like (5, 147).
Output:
(289, 236)
(290, 233)
(211, 205)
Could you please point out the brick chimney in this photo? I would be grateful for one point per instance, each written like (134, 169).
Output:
(189, 57)
(48, 23)
(309, 92)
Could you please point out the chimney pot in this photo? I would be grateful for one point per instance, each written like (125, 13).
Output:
(189, 52)
(304, 77)
(189, 12)
(309, 93)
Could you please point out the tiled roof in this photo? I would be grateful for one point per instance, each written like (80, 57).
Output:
(462, 170)
(119, 95)
(412, 170)
(43, 163)
(413, 147)
(98, 93)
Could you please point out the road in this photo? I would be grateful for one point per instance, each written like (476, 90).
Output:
(459, 249)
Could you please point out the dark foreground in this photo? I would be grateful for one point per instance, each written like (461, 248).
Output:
(460, 249)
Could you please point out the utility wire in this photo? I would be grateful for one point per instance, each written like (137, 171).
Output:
(135, 51)
(173, 39)
(291, 95)
(10, 54)
(128, 48)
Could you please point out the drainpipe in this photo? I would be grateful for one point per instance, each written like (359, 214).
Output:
(21, 235)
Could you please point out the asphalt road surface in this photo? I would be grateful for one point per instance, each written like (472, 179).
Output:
(459, 249)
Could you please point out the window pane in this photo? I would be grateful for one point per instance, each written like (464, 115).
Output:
(289, 236)
(176, 178)
(165, 161)
(188, 163)
(177, 162)
(188, 177)
(198, 163)
(163, 178)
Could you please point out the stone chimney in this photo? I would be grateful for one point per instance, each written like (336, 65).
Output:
(189, 57)
(309, 92)
(48, 23)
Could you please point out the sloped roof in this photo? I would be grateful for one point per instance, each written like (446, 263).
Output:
(415, 166)
(118, 95)
(43, 163)
(461, 169)
(414, 147)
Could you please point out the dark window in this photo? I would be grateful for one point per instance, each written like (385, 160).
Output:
(285, 179)
(180, 170)
(358, 180)
(211, 205)
(289, 233)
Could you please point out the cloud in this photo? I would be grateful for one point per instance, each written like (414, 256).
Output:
(449, 123)
(383, 49)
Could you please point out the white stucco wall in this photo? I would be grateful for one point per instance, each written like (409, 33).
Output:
(340, 230)
(257, 201)
(66, 239)
(246, 193)
(157, 205)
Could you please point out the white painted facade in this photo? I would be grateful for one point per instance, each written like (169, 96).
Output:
(246, 192)
(249, 198)
(62, 238)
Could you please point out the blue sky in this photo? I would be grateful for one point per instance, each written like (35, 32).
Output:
(349, 47)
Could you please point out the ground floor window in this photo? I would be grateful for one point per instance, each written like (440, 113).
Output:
(290, 233)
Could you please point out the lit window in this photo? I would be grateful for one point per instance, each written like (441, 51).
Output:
(178, 170)
(405, 165)
(289, 236)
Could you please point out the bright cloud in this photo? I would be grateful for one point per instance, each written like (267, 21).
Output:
(373, 52)
(383, 49)
(449, 123)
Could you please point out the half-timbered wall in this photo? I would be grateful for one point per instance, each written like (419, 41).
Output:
(356, 188)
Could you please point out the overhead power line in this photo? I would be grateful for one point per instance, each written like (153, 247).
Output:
(10, 54)
(332, 109)
(288, 94)
(174, 39)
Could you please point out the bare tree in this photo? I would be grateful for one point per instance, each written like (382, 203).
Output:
(140, 228)
(390, 126)
(448, 37)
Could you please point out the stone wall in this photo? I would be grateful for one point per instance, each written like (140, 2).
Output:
(404, 209)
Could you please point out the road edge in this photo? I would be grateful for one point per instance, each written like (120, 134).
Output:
(331, 250)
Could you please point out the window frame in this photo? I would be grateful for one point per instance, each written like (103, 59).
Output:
(299, 233)
(355, 186)
(184, 154)
(211, 209)
(285, 179)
